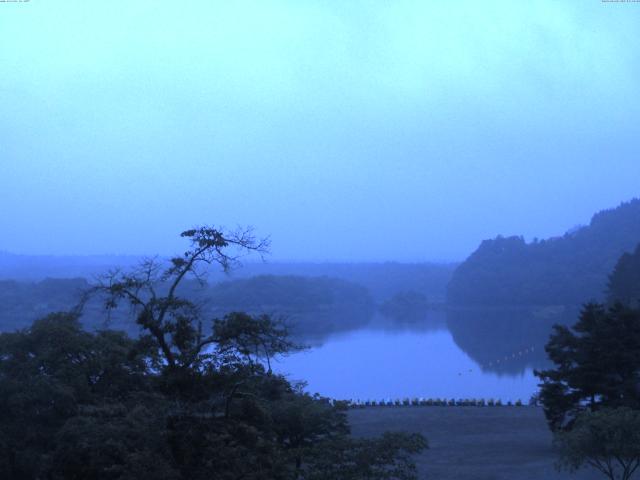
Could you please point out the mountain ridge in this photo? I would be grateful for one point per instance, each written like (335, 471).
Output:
(566, 270)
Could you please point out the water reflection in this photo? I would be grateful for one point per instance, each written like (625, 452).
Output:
(328, 332)
(461, 353)
(507, 340)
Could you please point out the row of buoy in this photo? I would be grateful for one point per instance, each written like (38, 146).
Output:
(436, 402)
(508, 358)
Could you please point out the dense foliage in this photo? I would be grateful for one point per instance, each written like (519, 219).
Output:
(597, 365)
(75, 404)
(624, 282)
(607, 440)
(179, 401)
(567, 270)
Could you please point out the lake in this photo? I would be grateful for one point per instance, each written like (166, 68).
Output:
(444, 357)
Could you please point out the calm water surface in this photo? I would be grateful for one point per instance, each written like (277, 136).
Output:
(377, 363)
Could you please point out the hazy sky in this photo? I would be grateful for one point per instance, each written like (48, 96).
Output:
(346, 130)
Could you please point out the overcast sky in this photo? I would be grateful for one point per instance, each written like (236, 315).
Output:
(373, 130)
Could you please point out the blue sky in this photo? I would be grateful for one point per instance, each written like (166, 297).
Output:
(378, 130)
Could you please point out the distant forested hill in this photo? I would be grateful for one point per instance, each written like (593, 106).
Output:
(21, 302)
(566, 270)
(383, 280)
(38, 267)
(311, 305)
(268, 291)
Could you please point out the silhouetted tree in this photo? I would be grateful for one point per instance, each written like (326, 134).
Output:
(173, 322)
(254, 338)
(176, 402)
(49, 374)
(607, 440)
(597, 364)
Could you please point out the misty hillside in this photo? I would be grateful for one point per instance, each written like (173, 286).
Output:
(314, 297)
(383, 280)
(624, 282)
(39, 267)
(23, 302)
(308, 304)
(567, 270)
(268, 291)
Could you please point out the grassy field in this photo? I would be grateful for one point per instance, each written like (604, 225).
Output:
(473, 443)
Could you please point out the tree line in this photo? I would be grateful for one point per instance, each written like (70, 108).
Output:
(566, 270)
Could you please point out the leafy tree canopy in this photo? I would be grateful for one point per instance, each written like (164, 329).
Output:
(597, 364)
(607, 440)
(180, 401)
